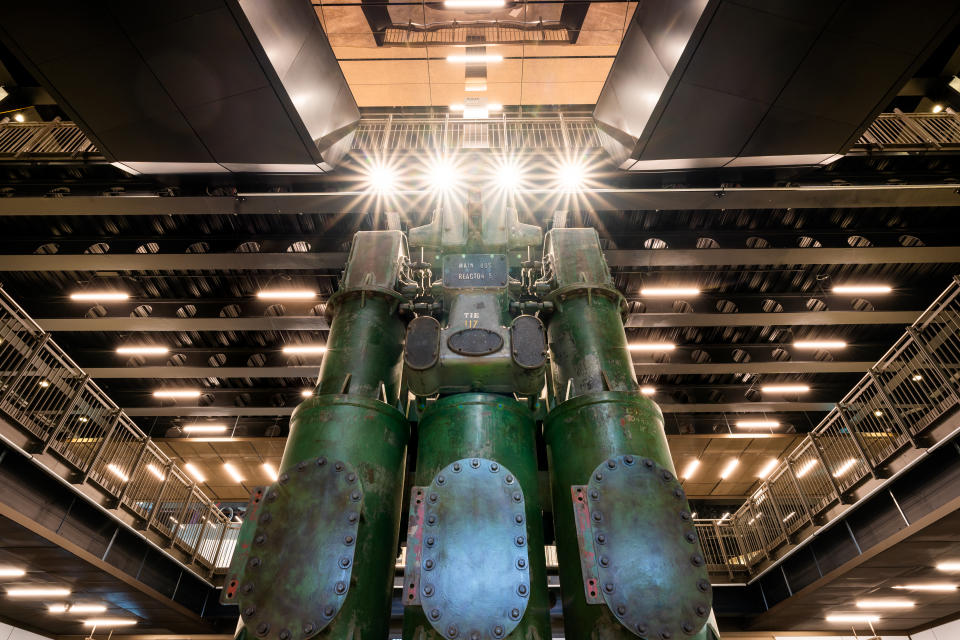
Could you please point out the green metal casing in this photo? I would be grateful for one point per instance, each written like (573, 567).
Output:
(498, 428)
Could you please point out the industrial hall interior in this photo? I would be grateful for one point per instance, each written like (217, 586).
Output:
(480, 320)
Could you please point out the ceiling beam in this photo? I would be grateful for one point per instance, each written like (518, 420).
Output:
(719, 407)
(635, 320)
(615, 258)
(311, 371)
(346, 202)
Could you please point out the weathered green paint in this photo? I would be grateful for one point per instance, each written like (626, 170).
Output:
(500, 429)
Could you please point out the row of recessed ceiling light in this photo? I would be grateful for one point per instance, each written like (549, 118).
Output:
(61, 607)
(304, 294)
(690, 470)
(897, 603)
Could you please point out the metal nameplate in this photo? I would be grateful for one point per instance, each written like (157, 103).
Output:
(474, 270)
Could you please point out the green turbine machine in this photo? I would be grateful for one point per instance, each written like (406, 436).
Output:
(477, 337)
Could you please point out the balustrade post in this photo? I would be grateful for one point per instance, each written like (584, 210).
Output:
(216, 552)
(167, 470)
(114, 421)
(142, 451)
(927, 353)
(800, 494)
(764, 486)
(74, 398)
(818, 449)
(855, 436)
(41, 343)
(203, 532)
(182, 514)
(881, 389)
(723, 549)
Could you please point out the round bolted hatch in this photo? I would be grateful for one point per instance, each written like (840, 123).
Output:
(475, 576)
(650, 568)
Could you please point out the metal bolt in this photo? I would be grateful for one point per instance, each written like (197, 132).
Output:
(328, 611)
(514, 613)
(666, 475)
(611, 464)
(601, 538)
(344, 562)
(508, 479)
(594, 495)
(621, 609)
(648, 463)
(494, 467)
(497, 631)
(351, 477)
(521, 563)
(247, 588)
(254, 562)
(441, 479)
(604, 561)
(701, 610)
(684, 515)
(608, 587)
(265, 517)
(263, 628)
(430, 540)
(340, 588)
(517, 496)
(474, 635)
(260, 539)
(434, 497)
(703, 585)
(308, 628)
(428, 565)
(474, 463)
(338, 466)
(627, 459)
(690, 537)
(348, 540)
(301, 465)
(428, 590)
(355, 496)
(687, 627)
(696, 560)
(271, 496)
(352, 517)
(678, 493)
(431, 519)
(598, 476)
(284, 634)
(665, 634)
(452, 631)
(321, 461)
(249, 612)
(284, 478)
(597, 516)
(522, 589)
(435, 614)
(456, 468)
(520, 540)
(519, 518)
(641, 628)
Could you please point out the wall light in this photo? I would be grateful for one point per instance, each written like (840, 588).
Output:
(442, 176)
(648, 391)
(571, 176)
(509, 176)
(381, 179)
(306, 393)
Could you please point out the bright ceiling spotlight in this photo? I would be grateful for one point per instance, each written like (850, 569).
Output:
(306, 393)
(767, 469)
(853, 617)
(571, 176)
(648, 391)
(142, 351)
(937, 108)
(100, 296)
(508, 176)
(727, 470)
(19, 117)
(690, 469)
(669, 291)
(475, 58)
(917, 377)
(819, 344)
(862, 288)
(785, 388)
(443, 176)
(381, 179)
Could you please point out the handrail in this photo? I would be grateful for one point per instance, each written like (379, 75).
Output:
(914, 384)
(44, 392)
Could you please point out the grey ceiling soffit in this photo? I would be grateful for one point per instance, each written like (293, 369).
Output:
(747, 83)
(210, 86)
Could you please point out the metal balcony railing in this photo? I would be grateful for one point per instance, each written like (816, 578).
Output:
(461, 32)
(43, 140)
(900, 131)
(913, 385)
(45, 393)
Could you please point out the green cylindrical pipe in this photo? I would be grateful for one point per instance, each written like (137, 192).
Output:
(498, 428)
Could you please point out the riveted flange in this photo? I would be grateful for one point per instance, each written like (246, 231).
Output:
(639, 551)
(442, 543)
(316, 509)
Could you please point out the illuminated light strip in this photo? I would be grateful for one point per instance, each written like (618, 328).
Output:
(233, 473)
(40, 592)
(885, 604)
(76, 608)
(670, 291)
(925, 587)
(304, 349)
(789, 515)
(727, 470)
(757, 424)
(205, 428)
(12, 572)
(473, 4)
(767, 469)
(820, 344)
(289, 294)
(948, 566)
(651, 346)
(100, 295)
(144, 351)
(785, 388)
(853, 617)
(271, 471)
(862, 288)
(177, 393)
(192, 470)
(648, 391)
(109, 622)
(846, 466)
(690, 469)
